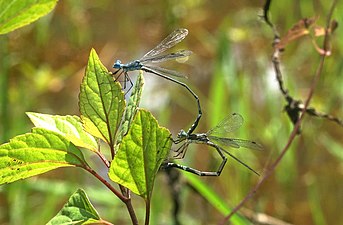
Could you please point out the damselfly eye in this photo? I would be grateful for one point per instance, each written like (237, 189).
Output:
(182, 134)
(117, 64)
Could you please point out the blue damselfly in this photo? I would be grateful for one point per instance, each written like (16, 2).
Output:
(153, 56)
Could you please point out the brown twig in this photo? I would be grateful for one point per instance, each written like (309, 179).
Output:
(273, 166)
(125, 195)
(294, 106)
(261, 218)
(126, 200)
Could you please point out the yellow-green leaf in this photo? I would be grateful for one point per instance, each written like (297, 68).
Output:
(36, 153)
(141, 154)
(78, 210)
(101, 101)
(16, 14)
(68, 126)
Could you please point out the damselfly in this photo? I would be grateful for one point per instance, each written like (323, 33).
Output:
(153, 56)
(229, 124)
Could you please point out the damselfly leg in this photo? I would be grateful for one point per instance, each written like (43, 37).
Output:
(167, 165)
(117, 74)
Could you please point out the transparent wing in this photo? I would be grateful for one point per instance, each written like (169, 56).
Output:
(228, 142)
(171, 40)
(236, 143)
(227, 125)
(162, 58)
(164, 71)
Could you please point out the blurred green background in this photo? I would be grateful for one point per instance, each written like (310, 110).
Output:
(42, 66)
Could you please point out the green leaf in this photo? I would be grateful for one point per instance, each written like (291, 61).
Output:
(101, 101)
(132, 106)
(78, 210)
(16, 14)
(36, 153)
(213, 198)
(140, 154)
(69, 127)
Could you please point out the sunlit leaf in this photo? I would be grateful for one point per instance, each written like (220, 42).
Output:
(140, 154)
(68, 126)
(78, 210)
(301, 28)
(132, 105)
(101, 101)
(320, 31)
(36, 153)
(16, 14)
(307, 26)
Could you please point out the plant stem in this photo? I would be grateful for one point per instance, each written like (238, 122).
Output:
(147, 211)
(126, 192)
(126, 200)
(103, 159)
(131, 211)
(108, 185)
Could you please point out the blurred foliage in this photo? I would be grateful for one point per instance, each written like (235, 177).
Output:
(20, 13)
(42, 66)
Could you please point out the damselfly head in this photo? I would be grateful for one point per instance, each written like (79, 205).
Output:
(117, 64)
(182, 134)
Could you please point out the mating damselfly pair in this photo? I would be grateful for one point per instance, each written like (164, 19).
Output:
(228, 125)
